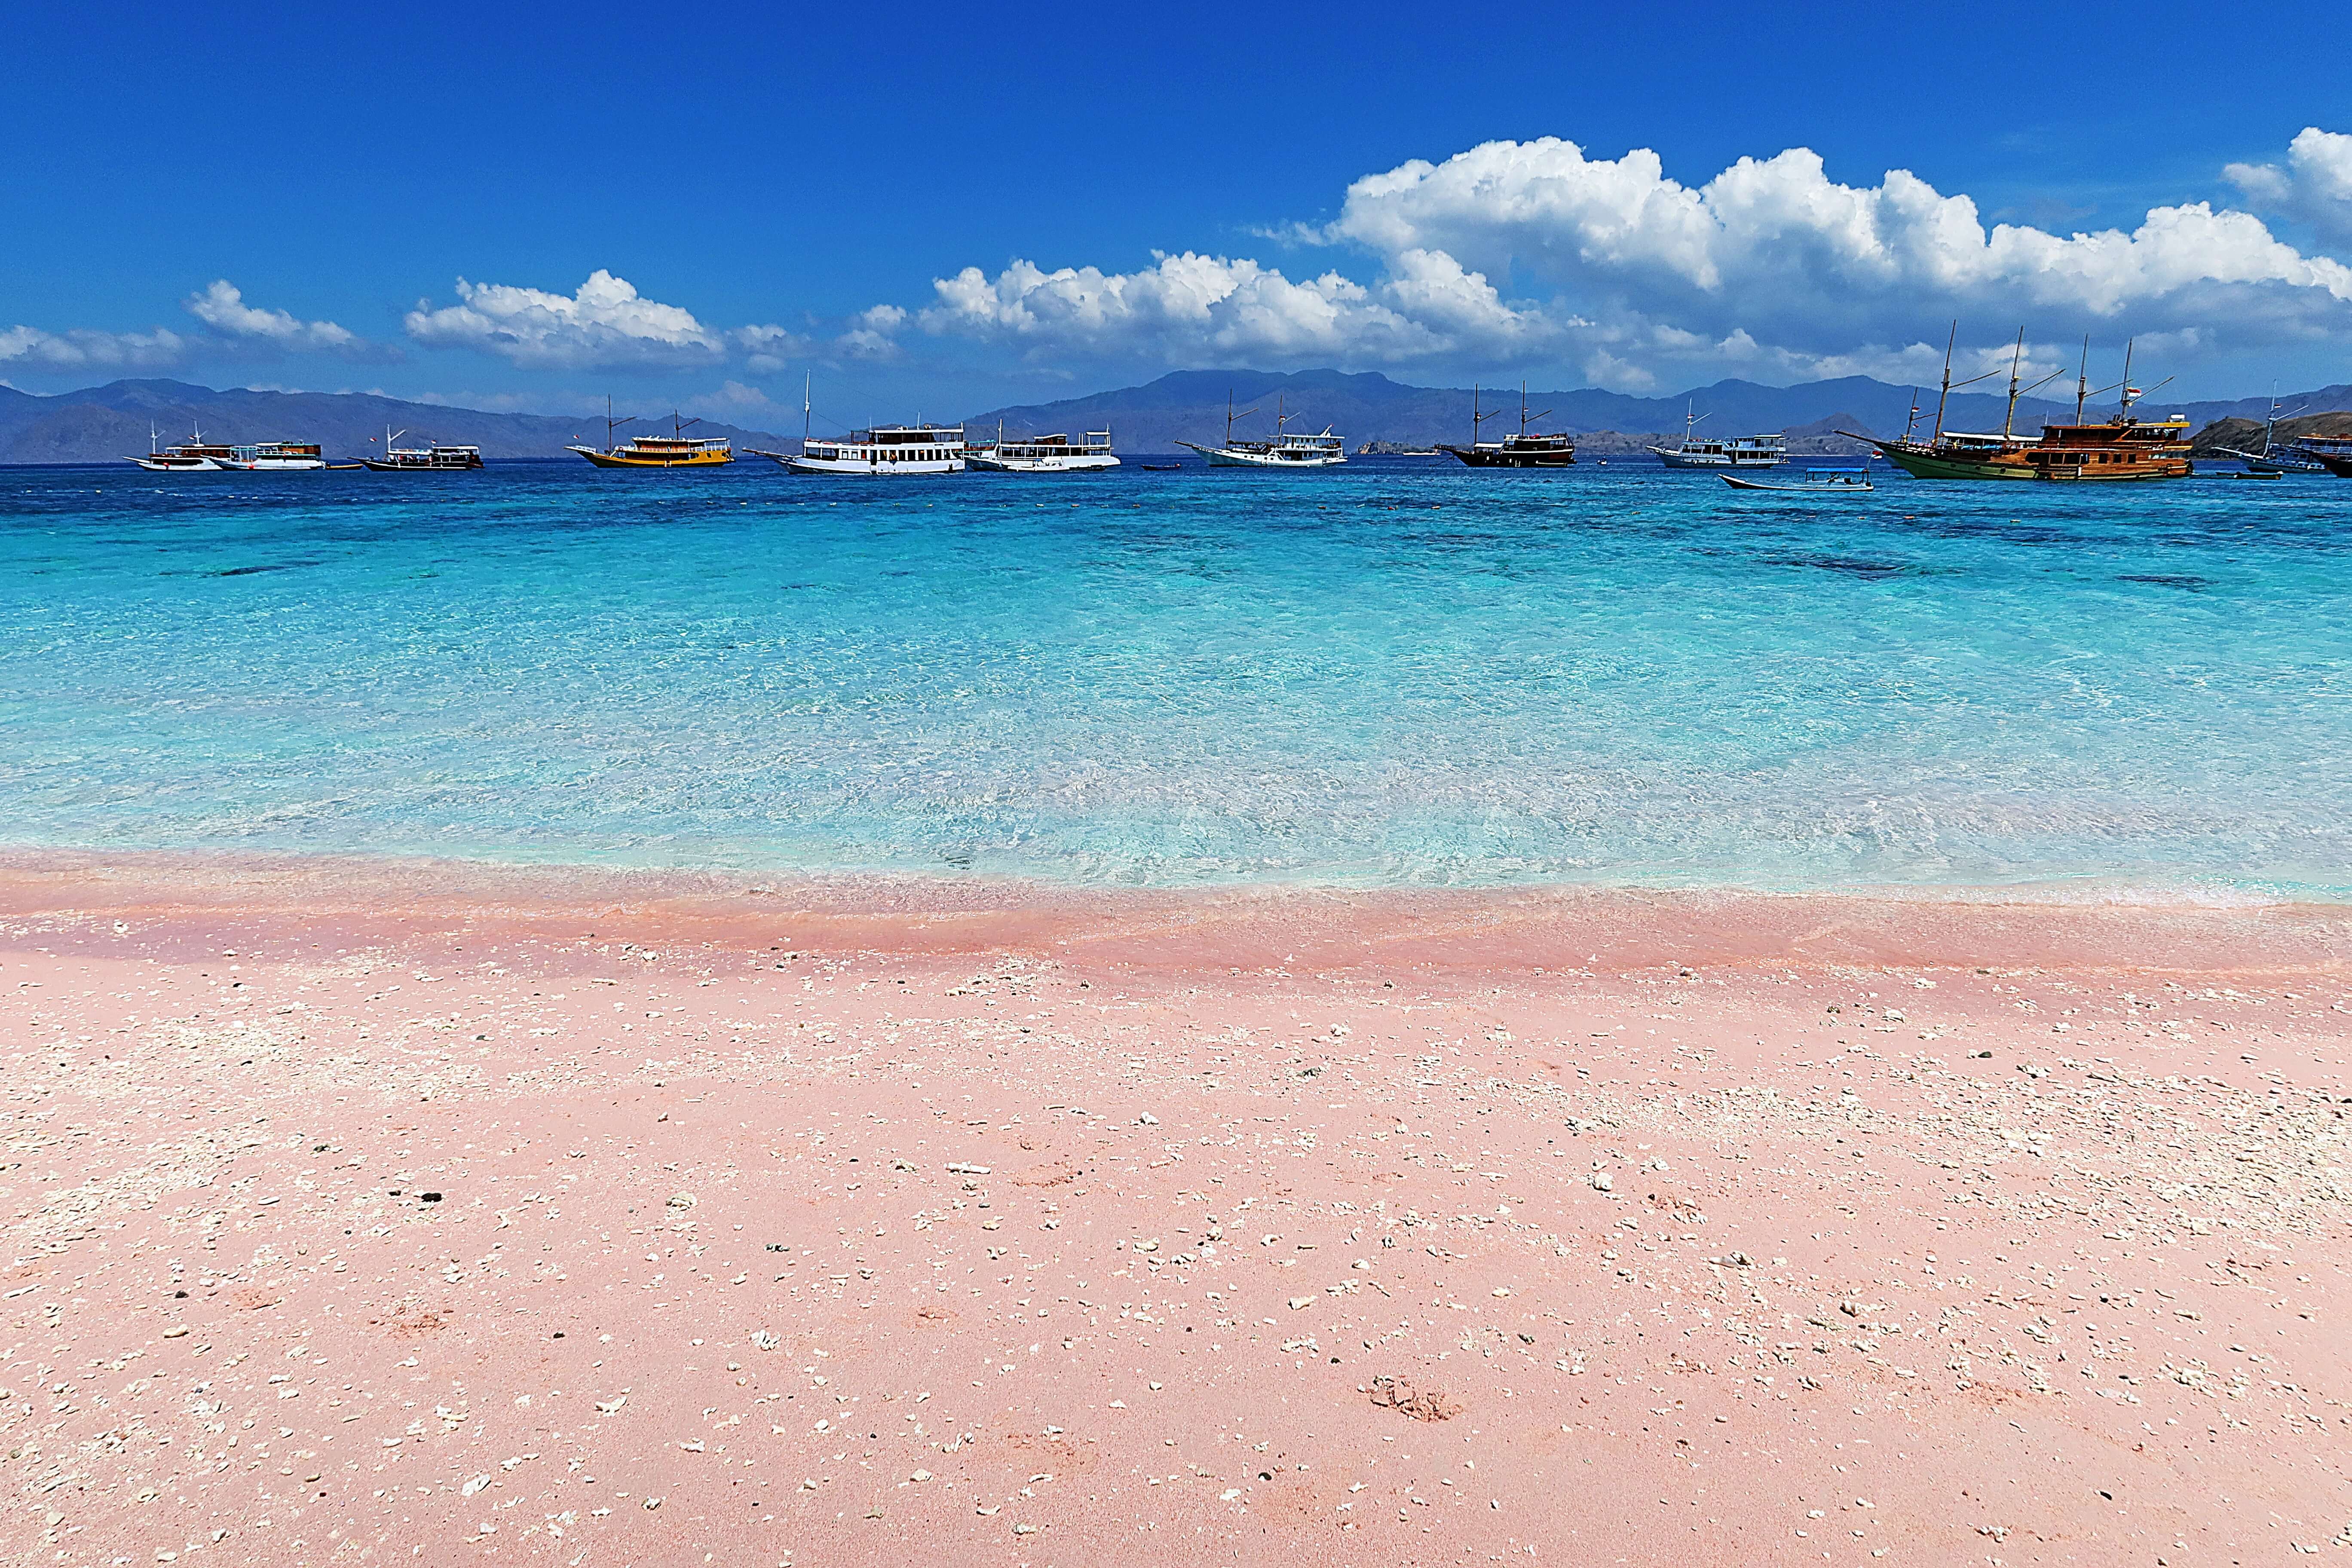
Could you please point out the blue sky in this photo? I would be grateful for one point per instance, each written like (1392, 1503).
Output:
(292, 197)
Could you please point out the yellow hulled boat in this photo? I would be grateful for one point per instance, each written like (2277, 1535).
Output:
(675, 451)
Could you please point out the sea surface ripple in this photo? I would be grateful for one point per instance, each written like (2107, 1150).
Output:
(1393, 674)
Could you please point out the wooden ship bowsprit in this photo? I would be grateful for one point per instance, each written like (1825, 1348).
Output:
(1524, 450)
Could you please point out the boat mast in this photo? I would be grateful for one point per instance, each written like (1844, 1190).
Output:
(2124, 400)
(807, 380)
(1523, 411)
(611, 424)
(2015, 360)
(2082, 379)
(1946, 395)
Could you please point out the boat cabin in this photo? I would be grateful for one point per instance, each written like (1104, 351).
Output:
(887, 444)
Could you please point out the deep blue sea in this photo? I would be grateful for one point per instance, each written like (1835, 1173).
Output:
(1396, 674)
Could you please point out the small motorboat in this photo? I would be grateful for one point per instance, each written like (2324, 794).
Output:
(1816, 482)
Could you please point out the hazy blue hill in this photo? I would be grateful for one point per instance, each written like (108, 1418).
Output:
(105, 423)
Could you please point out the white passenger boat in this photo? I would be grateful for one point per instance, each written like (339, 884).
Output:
(191, 457)
(886, 451)
(1740, 452)
(1056, 454)
(1284, 451)
(274, 457)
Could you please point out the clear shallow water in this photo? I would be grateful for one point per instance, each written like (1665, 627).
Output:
(1393, 674)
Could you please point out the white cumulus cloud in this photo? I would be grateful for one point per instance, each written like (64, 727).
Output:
(2314, 187)
(1514, 251)
(1188, 305)
(1777, 248)
(222, 307)
(605, 323)
(81, 349)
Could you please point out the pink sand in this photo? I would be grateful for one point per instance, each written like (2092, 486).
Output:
(871, 1221)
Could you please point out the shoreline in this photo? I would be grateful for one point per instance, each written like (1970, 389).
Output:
(1508, 927)
(432, 1212)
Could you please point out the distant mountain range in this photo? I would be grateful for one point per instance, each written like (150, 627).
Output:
(1191, 404)
(111, 421)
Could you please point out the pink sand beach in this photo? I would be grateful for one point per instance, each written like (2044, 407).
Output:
(369, 1212)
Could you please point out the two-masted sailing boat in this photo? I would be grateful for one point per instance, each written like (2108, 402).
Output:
(1524, 450)
(190, 457)
(1963, 455)
(675, 451)
(1284, 451)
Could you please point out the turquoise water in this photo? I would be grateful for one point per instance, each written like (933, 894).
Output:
(1393, 674)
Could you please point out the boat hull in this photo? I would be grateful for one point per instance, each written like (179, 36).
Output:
(697, 460)
(1091, 463)
(2121, 475)
(1475, 459)
(1674, 459)
(848, 468)
(273, 465)
(377, 465)
(1932, 466)
(1859, 487)
(1232, 457)
(178, 464)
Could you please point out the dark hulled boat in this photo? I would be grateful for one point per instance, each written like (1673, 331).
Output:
(1528, 449)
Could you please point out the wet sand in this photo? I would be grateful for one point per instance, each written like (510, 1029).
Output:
(376, 1212)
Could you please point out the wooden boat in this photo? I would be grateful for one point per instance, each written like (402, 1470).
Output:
(2332, 453)
(191, 456)
(2122, 449)
(1284, 451)
(1524, 450)
(1964, 455)
(675, 451)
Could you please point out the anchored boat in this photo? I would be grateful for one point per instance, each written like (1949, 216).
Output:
(2273, 459)
(1524, 450)
(1284, 451)
(886, 451)
(2332, 453)
(675, 451)
(1741, 452)
(191, 457)
(1816, 482)
(274, 457)
(434, 459)
(1056, 454)
(2121, 449)
(1960, 454)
